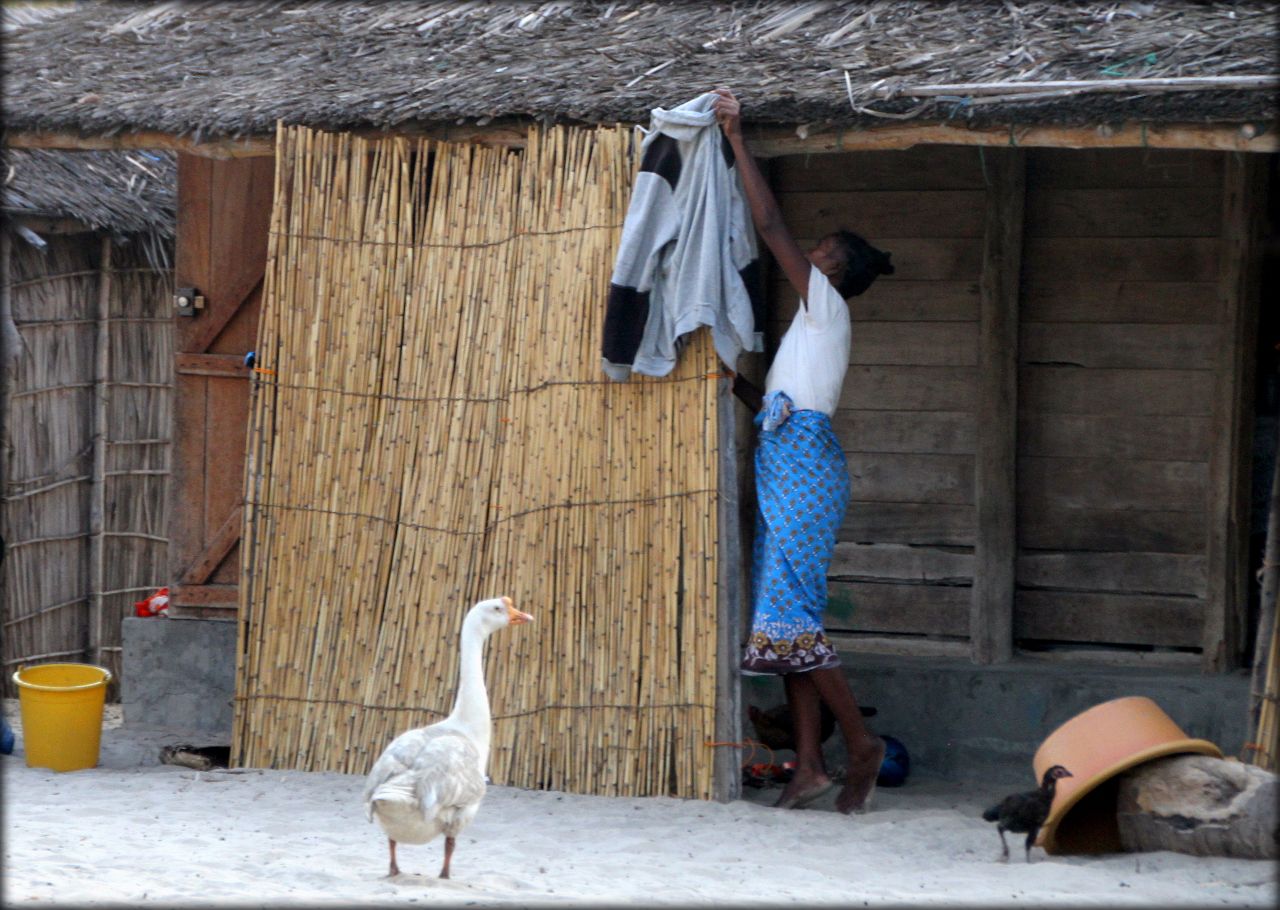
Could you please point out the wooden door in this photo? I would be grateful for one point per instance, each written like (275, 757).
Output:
(224, 207)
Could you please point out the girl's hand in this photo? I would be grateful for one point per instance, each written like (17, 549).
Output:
(728, 112)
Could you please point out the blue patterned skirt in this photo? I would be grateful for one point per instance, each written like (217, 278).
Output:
(802, 486)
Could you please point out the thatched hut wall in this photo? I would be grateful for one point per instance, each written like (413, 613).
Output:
(86, 400)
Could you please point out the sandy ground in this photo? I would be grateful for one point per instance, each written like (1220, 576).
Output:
(133, 831)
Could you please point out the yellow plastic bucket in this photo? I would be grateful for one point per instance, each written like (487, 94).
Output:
(62, 714)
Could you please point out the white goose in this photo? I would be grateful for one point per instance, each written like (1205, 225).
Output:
(430, 780)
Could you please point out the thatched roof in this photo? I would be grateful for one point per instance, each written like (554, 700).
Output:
(121, 192)
(205, 69)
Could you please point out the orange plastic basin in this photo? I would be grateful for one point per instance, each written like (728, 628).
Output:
(1096, 746)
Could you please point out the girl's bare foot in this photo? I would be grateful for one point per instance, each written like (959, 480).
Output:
(860, 781)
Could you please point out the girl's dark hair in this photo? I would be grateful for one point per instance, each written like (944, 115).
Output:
(862, 263)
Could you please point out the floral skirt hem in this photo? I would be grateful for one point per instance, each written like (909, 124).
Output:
(767, 657)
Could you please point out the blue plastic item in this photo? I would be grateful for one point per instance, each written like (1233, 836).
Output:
(6, 738)
(896, 764)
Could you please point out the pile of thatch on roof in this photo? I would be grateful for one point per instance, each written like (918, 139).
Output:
(123, 192)
(129, 194)
(234, 68)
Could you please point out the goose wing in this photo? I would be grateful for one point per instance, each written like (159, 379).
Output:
(427, 768)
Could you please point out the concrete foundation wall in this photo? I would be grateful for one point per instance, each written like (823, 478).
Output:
(958, 721)
(179, 673)
(963, 721)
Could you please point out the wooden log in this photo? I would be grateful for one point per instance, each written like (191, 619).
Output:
(1201, 805)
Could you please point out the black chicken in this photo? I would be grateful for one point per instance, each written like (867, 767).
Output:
(1026, 811)
(773, 727)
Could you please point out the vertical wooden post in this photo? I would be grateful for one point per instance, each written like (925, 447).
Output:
(98, 493)
(1226, 550)
(8, 351)
(995, 467)
(726, 772)
(1267, 602)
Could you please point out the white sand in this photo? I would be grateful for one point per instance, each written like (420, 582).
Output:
(133, 831)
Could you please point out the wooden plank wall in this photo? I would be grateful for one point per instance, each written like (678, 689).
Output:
(1124, 332)
(1120, 327)
(904, 564)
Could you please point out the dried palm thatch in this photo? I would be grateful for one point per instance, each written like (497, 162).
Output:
(435, 428)
(232, 69)
(131, 195)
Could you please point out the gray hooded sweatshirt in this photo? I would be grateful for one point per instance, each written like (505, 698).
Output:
(687, 256)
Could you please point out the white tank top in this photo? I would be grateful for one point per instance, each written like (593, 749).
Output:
(814, 354)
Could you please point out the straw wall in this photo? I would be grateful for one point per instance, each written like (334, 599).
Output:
(436, 429)
(56, 606)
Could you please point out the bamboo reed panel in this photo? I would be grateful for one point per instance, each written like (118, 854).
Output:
(437, 430)
(50, 450)
(1266, 751)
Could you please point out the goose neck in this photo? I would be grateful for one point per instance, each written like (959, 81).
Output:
(471, 708)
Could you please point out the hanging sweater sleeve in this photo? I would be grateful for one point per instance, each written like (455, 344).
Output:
(648, 232)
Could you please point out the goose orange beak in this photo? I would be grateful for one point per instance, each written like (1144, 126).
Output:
(515, 617)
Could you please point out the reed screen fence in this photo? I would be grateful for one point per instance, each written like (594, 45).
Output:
(430, 426)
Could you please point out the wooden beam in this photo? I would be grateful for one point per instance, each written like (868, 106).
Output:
(995, 488)
(1234, 137)
(766, 141)
(217, 313)
(243, 147)
(52, 224)
(98, 491)
(211, 365)
(224, 612)
(1077, 86)
(508, 134)
(727, 761)
(1226, 547)
(216, 549)
(226, 597)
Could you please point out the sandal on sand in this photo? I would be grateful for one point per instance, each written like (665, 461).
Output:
(805, 799)
(865, 804)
